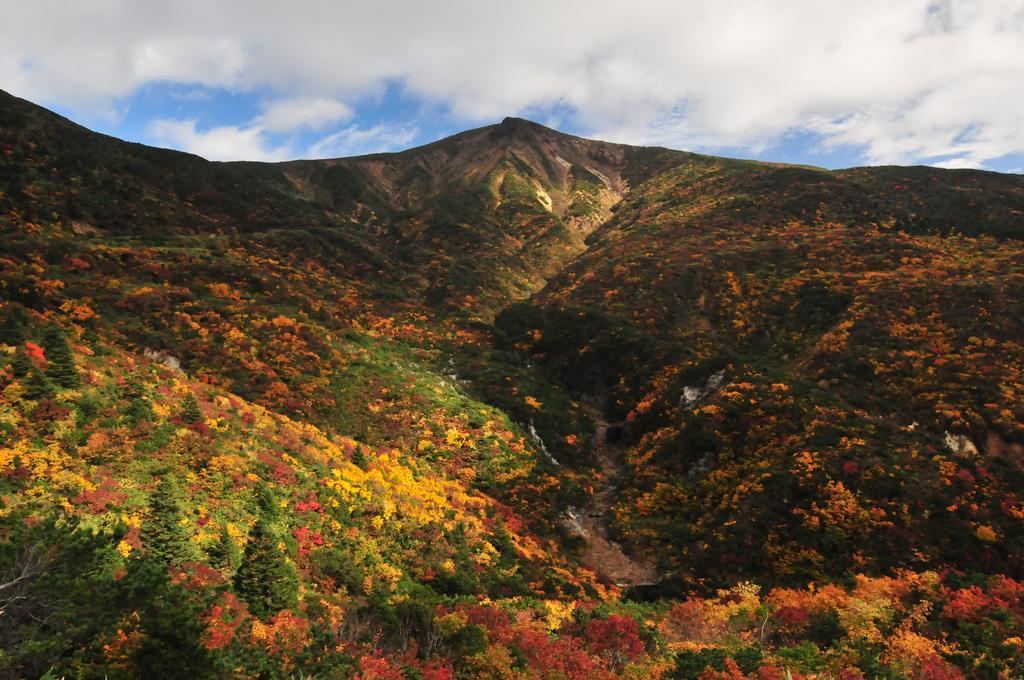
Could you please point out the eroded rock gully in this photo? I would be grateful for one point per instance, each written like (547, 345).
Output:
(606, 557)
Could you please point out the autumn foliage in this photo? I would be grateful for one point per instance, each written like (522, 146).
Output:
(330, 420)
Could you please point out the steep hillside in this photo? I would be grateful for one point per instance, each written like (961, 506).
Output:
(813, 381)
(511, 404)
(492, 212)
(466, 222)
(139, 457)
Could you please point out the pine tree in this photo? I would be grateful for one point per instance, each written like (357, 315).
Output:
(190, 412)
(37, 385)
(266, 578)
(225, 554)
(138, 408)
(12, 326)
(61, 369)
(164, 535)
(21, 365)
(268, 506)
(171, 623)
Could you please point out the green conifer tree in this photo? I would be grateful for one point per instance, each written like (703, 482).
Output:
(190, 412)
(12, 326)
(171, 624)
(21, 365)
(164, 535)
(225, 554)
(61, 370)
(266, 578)
(268, 506)
(37, 385)
(138, 408)
(359, 458)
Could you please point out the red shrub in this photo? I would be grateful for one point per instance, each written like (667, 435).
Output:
(36, 354)
(379, 668)
(731, 672)
(565, 656)
(223, 621)
(935, 668)
(307, 539)
(791, 618)
(616, 638)
(966, 604)
(493, 619)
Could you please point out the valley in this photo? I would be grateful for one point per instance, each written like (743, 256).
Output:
(512, 404)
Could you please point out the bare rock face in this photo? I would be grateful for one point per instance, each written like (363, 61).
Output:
(960, 444)
(572, 521)
(159, 357)
(539, 443)
(692, 395)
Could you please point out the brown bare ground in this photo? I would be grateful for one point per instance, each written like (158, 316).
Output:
(606, 557)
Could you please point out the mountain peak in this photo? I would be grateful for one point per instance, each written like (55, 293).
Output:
(511, 122)
(513, 127)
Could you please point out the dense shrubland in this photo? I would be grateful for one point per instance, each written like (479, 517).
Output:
(255, 419)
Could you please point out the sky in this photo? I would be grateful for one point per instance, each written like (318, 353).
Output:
(833, 83)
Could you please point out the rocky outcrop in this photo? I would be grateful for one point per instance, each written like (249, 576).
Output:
(960, 444)
(692, 396)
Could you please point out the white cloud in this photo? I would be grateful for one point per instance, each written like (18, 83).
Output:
(354, 140)
(225, 143)
(959, 162)
(906, 81)
(255, 140)
(84, 54)
(287, 115)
